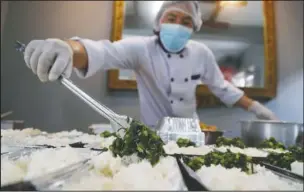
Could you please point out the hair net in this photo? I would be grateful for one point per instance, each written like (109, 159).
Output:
(189, 7)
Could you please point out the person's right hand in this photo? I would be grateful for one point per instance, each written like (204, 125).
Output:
(49, 59)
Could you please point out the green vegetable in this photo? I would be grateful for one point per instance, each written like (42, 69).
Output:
(236, 142)
(181, 142)
(282, 160)
(107, 134)
(272, 143)
(227, 160)
(139, 140)
(297, 152)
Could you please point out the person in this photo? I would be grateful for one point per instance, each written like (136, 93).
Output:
(168, 65)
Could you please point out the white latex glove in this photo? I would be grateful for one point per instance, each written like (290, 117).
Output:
(49, 59)
(261, 111)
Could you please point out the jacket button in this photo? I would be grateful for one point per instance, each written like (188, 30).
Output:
(186, 79)
(171, 101)
(181, 99)
(172, 79)
(169, 55)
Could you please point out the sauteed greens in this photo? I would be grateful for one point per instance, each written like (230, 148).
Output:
(146, 144)
(182, 142)
(297, 152)
(236, 142)
(107, 134)
(227, 160)
(282, 160)
(138, 139)
(272, 144)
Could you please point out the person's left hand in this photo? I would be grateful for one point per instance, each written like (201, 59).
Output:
(262, 112)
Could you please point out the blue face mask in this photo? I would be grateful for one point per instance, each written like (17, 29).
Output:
(174, 36)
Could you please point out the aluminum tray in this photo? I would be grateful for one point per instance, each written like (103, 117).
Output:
(20, 151)
(283, 173)
(67, 175)
(44, 181)
(55, 180)
(171, 129)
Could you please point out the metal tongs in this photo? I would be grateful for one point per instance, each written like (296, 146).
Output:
(113, 117)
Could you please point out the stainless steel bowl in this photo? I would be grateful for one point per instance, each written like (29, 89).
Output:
(255, 132)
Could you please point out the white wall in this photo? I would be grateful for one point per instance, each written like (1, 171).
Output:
(52, 108)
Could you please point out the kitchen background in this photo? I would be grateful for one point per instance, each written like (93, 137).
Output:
(51, 107)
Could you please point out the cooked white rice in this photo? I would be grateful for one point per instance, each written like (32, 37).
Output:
(111, 173)
(92, 181)
(64, 138)
(11, 172)
(220, 178)
(129, 172)
(172, 148)
(40, 163)
(20, 132)
(73, 133)
(297, 167)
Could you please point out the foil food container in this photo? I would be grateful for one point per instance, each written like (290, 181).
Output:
(52, 178)
(171, 129)
(49, 181)
(19, 151)
(56, 180)
(61, 178)
(74, 174)
(5, 149)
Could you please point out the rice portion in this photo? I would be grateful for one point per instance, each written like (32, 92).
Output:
(140, 176)
(107, 165)
(59, 139)
(11, 172)
(297, 167)
(115, 173)
(172, 148)
(20, 132)
(105, 142)
(50, 160)
(73, 133)
(217, 177)
(92, 181)
(40, 163)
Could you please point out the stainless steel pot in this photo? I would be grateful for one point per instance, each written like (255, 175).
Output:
(211, 136)
(254, 132)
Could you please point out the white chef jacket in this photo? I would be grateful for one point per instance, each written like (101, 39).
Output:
(166, 82)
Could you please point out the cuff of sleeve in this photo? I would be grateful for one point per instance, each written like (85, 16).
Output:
(233, 94)
(92, 67)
